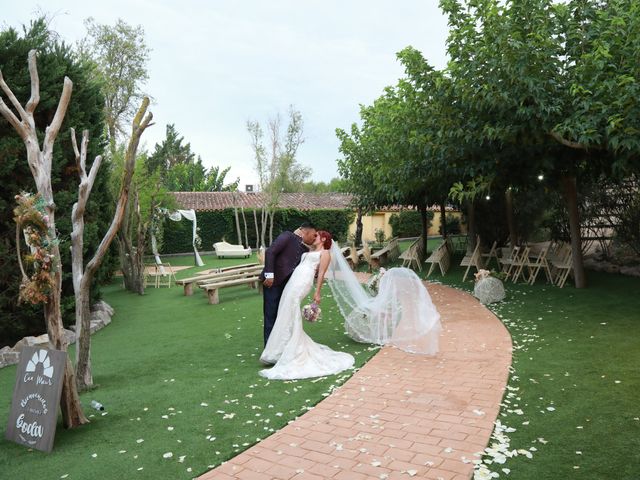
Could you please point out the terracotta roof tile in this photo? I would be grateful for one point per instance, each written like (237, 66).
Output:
(208, 201)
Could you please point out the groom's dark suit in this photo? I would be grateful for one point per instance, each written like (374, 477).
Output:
(280, 259)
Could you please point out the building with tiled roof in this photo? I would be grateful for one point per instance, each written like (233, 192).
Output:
(379, 220)
(210, 201)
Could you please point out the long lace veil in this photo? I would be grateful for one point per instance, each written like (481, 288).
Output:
(401, 314)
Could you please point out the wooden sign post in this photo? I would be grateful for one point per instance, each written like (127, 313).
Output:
(36, 396)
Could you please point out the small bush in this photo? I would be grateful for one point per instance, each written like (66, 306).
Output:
(408, 223)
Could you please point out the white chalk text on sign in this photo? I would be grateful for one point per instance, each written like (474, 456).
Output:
(34, 409)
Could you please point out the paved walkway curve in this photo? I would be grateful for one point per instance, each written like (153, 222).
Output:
(401, 415)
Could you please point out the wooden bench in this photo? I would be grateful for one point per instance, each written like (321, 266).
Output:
(389, 253)
(227, 268)
(413, 254)
(441, 256)
(188, 283)
(472, 260)
(211, 289)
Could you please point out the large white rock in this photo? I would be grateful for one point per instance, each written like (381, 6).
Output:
(489, 290)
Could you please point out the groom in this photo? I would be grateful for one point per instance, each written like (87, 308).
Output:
(280, 259)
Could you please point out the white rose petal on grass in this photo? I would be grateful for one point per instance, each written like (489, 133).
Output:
(181, 458)
(551, 409)
(170, 429)
(141, 468)
(94, 455)
(203, 404)
(140, 440)
(167, 455)
(122, 451)
(64, 476)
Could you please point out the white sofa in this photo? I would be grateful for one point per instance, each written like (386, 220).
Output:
(227, 250)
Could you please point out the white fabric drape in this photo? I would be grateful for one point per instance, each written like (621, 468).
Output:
(189, 215)
(401, 314)
(176, 217)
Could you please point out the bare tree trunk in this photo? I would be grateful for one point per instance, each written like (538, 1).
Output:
(239, 232)
(425, 226)
(264, 219)
(82, 279)
(246, 232)
(255, 219)
(571, 196)
(40, 165)
(131, 260)
(271, 215)
(513, 235)
(443, 221)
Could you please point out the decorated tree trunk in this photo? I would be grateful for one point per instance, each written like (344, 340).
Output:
(39, 160)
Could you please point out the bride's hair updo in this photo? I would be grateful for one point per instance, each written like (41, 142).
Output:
(327, 239)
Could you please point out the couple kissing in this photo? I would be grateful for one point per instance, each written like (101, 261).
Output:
(292, 262)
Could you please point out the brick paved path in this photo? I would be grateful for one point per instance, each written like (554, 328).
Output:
(401, 415)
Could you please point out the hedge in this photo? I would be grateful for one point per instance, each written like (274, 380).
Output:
(408, 223)
(216, 225)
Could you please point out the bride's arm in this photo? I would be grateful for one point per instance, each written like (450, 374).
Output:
(325, 258)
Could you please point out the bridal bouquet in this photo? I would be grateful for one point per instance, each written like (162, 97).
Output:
(374, 282)
(311, 312)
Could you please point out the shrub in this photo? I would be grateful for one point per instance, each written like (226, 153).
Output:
(453, 225)
(220, 224)
(408, 223)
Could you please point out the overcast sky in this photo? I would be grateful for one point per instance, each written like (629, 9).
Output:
(216, 64)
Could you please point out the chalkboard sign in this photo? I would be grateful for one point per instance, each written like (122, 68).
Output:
(36, 396)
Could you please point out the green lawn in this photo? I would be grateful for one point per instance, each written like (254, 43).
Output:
(178, 376)
(181, 375)
(573, 396)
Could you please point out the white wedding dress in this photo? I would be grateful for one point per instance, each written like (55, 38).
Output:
(293, 352)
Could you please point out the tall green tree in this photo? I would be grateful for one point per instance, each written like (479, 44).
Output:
(181, 171)
(546, 93)
(120, 55)
(277, 164)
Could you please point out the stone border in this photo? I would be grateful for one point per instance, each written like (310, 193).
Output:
(101, 313)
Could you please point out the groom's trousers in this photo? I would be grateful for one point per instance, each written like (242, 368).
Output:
(271, 300)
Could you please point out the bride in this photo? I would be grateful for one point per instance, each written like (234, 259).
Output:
(401, 314)
(294, 353)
